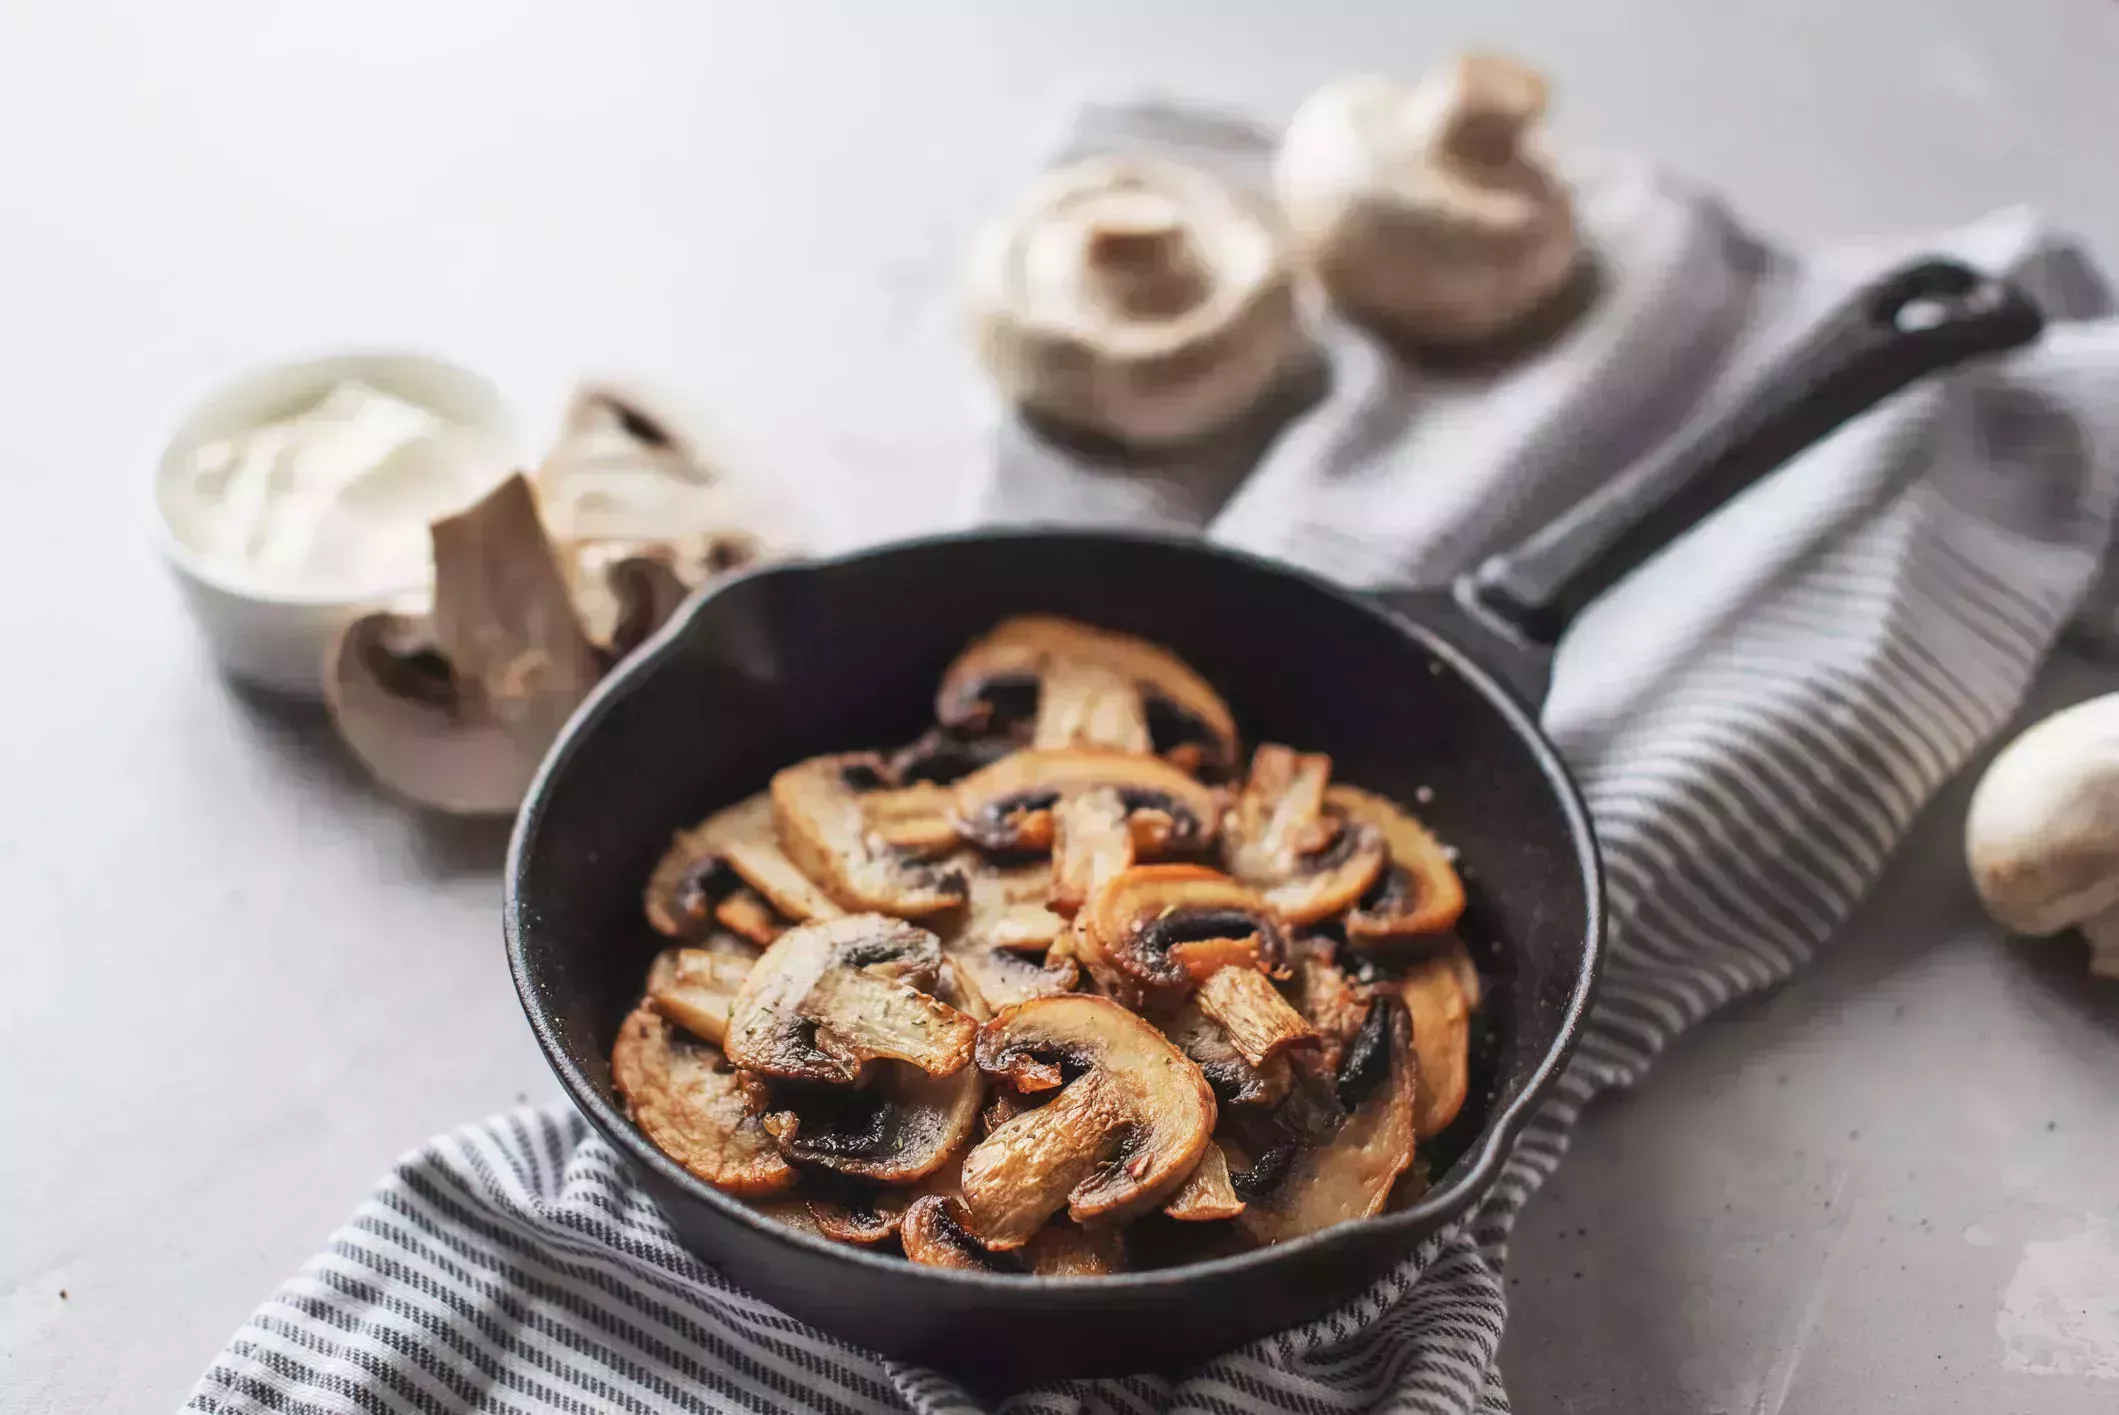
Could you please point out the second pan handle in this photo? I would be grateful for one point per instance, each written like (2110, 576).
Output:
(1920, 318)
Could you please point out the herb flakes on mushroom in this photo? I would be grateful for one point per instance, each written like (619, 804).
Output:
(825, 829)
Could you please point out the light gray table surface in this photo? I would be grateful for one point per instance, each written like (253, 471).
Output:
(236, 983)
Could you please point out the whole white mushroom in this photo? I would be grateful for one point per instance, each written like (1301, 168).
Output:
(2042, 835)
(1427, 209)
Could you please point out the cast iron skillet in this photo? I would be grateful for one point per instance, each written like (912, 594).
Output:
(1404, 691)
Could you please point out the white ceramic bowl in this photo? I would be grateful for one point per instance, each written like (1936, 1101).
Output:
(271, 636)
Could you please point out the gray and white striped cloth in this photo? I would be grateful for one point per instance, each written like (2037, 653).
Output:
(1756, 718)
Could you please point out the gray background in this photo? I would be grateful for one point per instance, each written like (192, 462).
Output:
(236, 984)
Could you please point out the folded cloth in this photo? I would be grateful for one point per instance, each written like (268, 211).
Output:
(1755, 717)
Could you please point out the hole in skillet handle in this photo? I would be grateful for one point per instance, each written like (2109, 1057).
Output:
(1921, 318)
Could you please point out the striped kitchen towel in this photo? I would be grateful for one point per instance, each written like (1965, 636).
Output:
(1756, 718)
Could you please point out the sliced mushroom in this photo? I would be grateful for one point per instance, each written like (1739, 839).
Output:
(902, 1126)
(817, 807)
(1092, 841)
(916, 820)
(685, 1097)
(1315, 1183)
(935, 1233)
(455, 710)
(1009, 805)
(1121, 1136)
(1441, 993)
(1069, 1250)
(944, 756)
(993, 949)
(830, 996)
(1310, 862)
(1419, 892)
(1260, 1023)
(1234, 1080)
(1207, 1196)
(1052, 681)
(862, 1221)
(1330, 1001)
(706, 865)
(1156, 930)
(1134, 299)
(694, 987)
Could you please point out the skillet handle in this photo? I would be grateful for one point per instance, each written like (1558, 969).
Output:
(1923, 317)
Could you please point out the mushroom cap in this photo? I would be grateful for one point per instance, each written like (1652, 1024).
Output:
(825, 830)
(1426, 208)
(1009, 805)
(2042, 834)
(1054, 677)
(1158, 930)
(1312, 862)
(1123, 1132)
(1133, 297)
(935, 1233)
(833, 995)
(1419, 892)
(686, 1098)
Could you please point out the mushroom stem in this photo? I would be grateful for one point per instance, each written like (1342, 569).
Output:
(1493, 102)
(2102, 931)
(1142, 262)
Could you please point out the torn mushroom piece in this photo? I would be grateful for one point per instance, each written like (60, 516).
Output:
(1127, 1127)
(1322, 1176)
(825, 829)
(695, 987)
(901, 1126)
(1234, 1080)
(1310, 861)
(455, 710)
(935, 1234)
(684, 1096)
(1094, 810)
(732, 853)
(1419, 892)
(1054, 683)
(1441, 993)
(1207, 1195)
(1158, 931)
(831, 996)
(1260, 1023)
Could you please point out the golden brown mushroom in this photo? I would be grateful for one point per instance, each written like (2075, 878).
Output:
(1419, 892)
(935, 1233)
(1441, 993)
(1156, 931)
(902, 1125)
(695, 987)
(712, 862)
(685, 1097)
(1310, 861)
(825, 829)
(1207, 1195)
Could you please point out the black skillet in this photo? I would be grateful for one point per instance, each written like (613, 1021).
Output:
(1409, 690)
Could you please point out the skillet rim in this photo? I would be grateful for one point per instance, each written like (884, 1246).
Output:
(1442, 1206)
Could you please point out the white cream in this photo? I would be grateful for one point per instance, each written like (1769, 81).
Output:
(334, 500)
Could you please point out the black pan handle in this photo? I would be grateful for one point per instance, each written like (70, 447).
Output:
(1923, 317)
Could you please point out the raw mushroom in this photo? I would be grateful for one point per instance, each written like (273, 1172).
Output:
(1419, 892)
(1428, 211)
(832, 996)
(2042, 835)
(1158, 931)
(903, 1125)
(1207, 1195)
(1057, 683)
(455, 710)
(825, 829)
(1345, 1171)
(695, 987)
(1441, 993)
(1311, 860)
(1095, 810)
(1134, 299)
(685, 1097)
(710, 862)
(1128, 1126)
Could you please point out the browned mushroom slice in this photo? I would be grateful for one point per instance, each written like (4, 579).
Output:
(1119, 1138)
(903, 1126)
(707, 863)
(1234, 1080)
(916, 820)
(1092, 841)
(1010, 805)
(991, 979)
(694, 987)
(1311, 863)
(1441, 993)
(1042, 675)
(994, 947)
(1260, 1022)
(1156, 929)
(1330, 1001)
(685, 1097)
(1419, 892)
(817, 807)
(1207, 1195)
(1346, 1173)
(745, 913)
(1069, 1250)
(830, 996)
(863, 1224)
(935, 1234)
(796, 1213)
